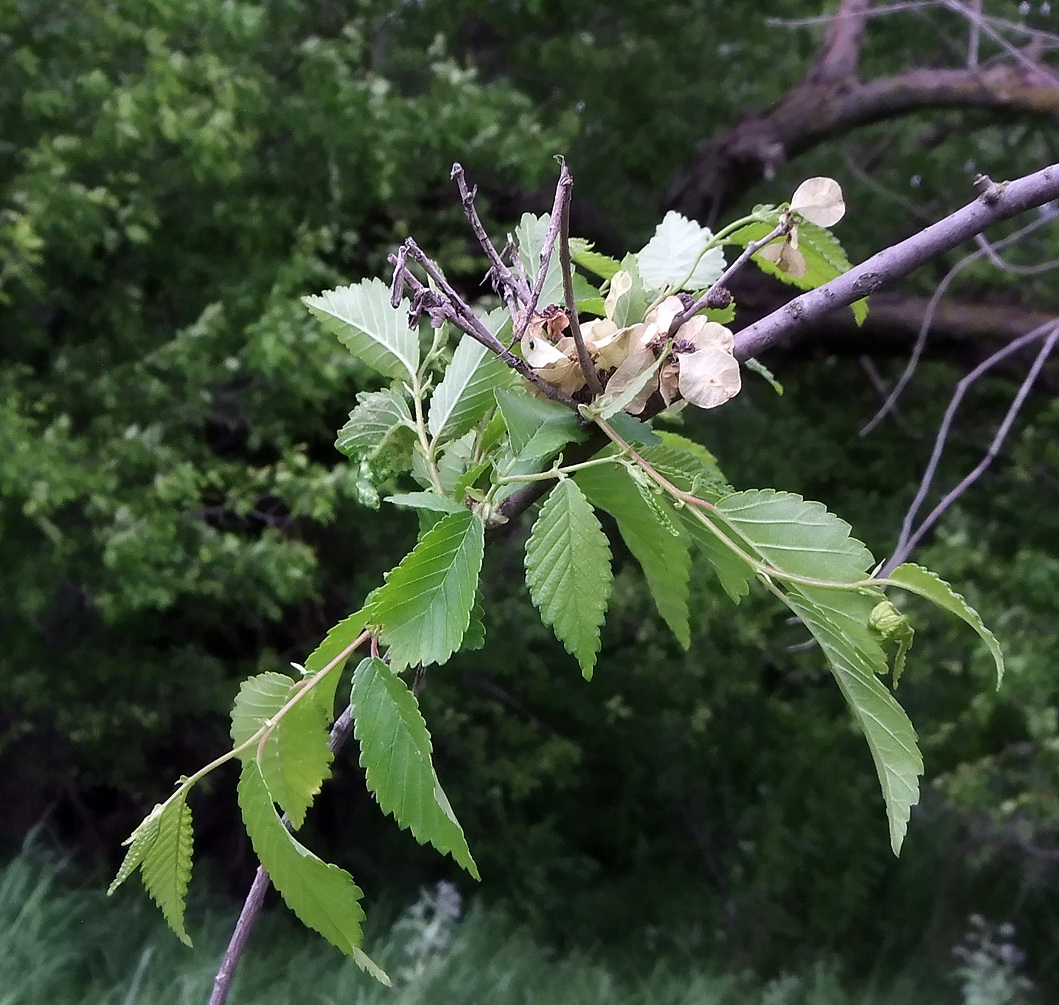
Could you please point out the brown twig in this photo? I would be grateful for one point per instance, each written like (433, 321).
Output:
(503, 279)
(588, 368)
(222, 983)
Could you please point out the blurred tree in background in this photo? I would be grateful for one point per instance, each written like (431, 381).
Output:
(174, 514)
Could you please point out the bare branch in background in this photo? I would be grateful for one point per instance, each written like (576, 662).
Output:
(910, 537)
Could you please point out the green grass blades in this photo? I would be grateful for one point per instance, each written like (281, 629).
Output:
(568, 571)
(424, 607)
(161, 848)
(395, 754)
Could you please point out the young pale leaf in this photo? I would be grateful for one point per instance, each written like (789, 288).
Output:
(916, 579)
(466, 392)
(161, 847)
(797, 536)
(823, 255)
(568, 571)
(425, 500)
(664, 556)
(380, 431)
(627, 300)
(323, 896)
(537, 427)
(295, 759)
(425, 604)
(838, 620)
(763, 371)
(395, 755)
(366, 324)
(676, 257)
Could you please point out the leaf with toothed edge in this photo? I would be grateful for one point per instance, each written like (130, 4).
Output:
(568, 571)
(395, 752)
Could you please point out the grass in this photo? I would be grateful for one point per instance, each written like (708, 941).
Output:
(62, 946)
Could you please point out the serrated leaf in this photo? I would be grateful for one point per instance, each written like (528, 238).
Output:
(657, 540)
(338, 638)
(634, 430)
(161, 848)
(690, 471)
(395, 752)
(322, 896)
(824, 258)
(465, 393)
(295, 758)
(366, 324)
(474, 637)
(838, 620)
(537, 427)
(568, 571)
(380, 431)
(425, 604)
(627, 299)
(763, 371)
(929, 585)
(529, 235)
(733, 573)
(797, 536)
(599, 265)
(669, 259)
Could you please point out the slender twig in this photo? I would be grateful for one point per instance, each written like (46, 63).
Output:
(711, 297)
(554, 221)
(928, 316)
(588, 368)
(222, 983)
(909, 538)
(899, 260)
(504, 280)
(456, 310)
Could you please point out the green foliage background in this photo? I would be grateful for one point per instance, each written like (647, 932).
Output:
(174, 515)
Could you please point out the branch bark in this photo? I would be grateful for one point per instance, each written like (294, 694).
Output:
(1001, 202)
(824, 105)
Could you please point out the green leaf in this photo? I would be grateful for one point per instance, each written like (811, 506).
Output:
(634, 431)
(529, 235)
(797, 536)
(568, 571)
(338, 639)
(295, 758)
(599, 265)
(689, 470)
(824, 258)
(733, 573)
(925, 583)
(676, 256)
(425, 604)
(663, 555)
(366, 324)
(380, 431)
(161, 848)
(425, 500)
(466, 392)
(763, 371)
(474, 637)
(322, 896)
(395, 752)
(838, 620)
(537, 427)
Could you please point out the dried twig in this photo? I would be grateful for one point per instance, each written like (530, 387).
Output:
(909, 538)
